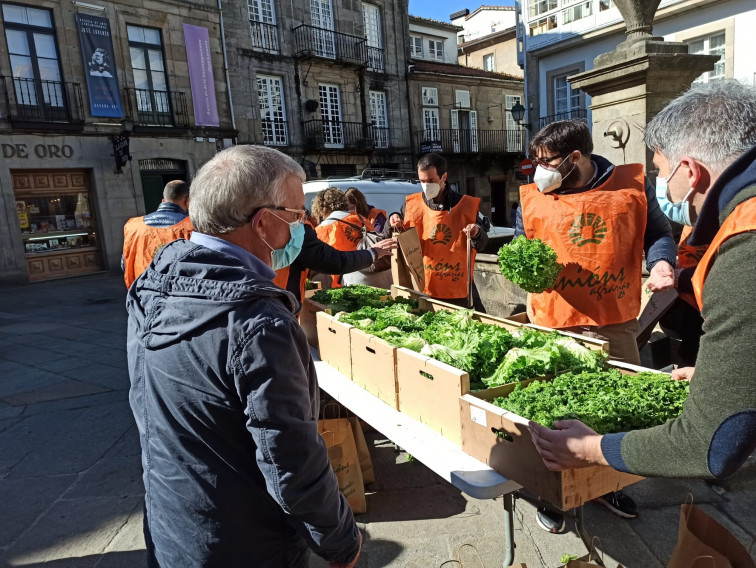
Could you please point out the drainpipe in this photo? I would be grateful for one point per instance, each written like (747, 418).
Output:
(225, 67)
(405, 47)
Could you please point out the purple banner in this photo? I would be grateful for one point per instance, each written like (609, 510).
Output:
(197, 42)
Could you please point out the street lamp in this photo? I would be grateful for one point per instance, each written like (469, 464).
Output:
(518, 113)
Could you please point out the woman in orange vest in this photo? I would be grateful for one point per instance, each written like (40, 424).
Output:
(358, 204)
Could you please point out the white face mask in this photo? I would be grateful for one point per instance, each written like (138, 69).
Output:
(547, 180)
(431, 190)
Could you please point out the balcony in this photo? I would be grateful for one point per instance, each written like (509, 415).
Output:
(156, 109)
(375, 59)
(34, 103)
(574, 114)
(275, 132)
(264, 37)
(471, 141)
(328, 44)
(354, 137)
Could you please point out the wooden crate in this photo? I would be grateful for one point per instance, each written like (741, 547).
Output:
(374, 366)
(502, 440)
(334, 343)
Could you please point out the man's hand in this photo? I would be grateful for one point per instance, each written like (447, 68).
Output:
(473, 230)
(384, 247)
(683, 373)
(395, 221)
(571, 445)
(661, 277)
(354, 560)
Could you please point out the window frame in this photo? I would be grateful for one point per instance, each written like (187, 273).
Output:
(705, 41)
(489, 57)
(433, 52)
(414, 40)
(273, 138)
(154, 110)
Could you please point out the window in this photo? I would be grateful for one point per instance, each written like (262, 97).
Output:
(262, 24)
(435, 49)
(150, 80)
(543, 25)
(379, 118)
(430, 96)
(566, 100)
(488, 62)
(321, 15)
(330, 113)
(462, 98)
(371, 18)
(514, 130)
(538, 7)
(710, 45)
(431, 130)
(577, 12)
(605, 5)
(416, 46)
(33, 56)
(272, 112)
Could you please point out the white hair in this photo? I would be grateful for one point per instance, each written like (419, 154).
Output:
(238, 180)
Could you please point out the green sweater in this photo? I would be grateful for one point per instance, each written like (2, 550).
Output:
(717, 429)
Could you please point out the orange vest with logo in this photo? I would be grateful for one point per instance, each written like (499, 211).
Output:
(141, 243)
(343, 237)
(444, 243)
(689, 256)
(598, 237)
(741, 220)
(374, 213)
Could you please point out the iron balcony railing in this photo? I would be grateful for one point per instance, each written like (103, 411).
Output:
(324, 134)
(574, 114)
(42, 101)
(375, 60)
(275, 132)
(147, 107)
(321, 42)
(264, 37)
(471, 141)
(380, 136)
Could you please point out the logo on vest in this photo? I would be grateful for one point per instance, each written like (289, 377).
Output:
(588, 228)
(441, 234)
(353, 234)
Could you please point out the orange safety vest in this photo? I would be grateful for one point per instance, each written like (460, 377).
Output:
(598, 237)
(343, 237)
(741, 220)
(282, 280)
(374, 213)
(444, 243)
(141, 243)
(689, 256)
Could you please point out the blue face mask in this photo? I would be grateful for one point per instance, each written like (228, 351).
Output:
(678, 212)
(283, 257)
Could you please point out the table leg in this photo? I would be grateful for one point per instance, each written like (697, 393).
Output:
(583, 534)
(509, 507)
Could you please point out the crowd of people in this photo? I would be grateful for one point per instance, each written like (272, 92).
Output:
(223, 388)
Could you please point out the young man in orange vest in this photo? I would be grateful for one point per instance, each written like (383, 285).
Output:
(704, 145)
(599, 218)
(144, 236)
(444, 220)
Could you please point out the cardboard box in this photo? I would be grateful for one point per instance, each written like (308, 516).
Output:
(307, 319)
(334, 343)
(374, 366)
(501, 439)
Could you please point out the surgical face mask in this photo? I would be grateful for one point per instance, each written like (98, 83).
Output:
(431, 190)
(283, 257)
(678, 212)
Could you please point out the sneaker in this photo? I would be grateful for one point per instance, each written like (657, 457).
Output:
(549, 520)
(619, 504)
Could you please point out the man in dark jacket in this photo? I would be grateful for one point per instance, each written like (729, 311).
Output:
(223, 388)
(711, 168)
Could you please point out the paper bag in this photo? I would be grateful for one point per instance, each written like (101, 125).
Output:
(363, 455)
(407, 267)
(342, 453)
(704, 543)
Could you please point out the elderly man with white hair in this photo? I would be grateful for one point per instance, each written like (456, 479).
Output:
(704, 144)
(223, 388)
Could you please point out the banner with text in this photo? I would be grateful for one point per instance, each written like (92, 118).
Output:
(99, 58)
(197, 42)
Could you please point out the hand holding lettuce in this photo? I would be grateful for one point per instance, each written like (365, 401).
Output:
(530, 263)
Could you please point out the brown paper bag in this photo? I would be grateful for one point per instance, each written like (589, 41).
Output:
(366, 463)
(409, 259)
(342, 453)
(702, 543)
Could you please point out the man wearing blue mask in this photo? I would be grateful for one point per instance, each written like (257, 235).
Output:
(704, 144)
(223, 388)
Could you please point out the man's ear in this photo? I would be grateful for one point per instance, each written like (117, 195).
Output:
(698, 176)
(575, 156)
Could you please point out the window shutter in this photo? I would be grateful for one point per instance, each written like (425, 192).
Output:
(455, 130)
(474, 130)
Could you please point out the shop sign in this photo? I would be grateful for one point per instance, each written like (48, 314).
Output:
(121, 151)
(431, 146)
(40, 151)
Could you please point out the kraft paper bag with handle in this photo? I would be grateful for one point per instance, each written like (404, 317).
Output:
(366, 463)
(703, 543)
(411, 260)
(342, 453)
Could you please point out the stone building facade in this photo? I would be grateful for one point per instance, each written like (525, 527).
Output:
(80, 84)
(322, 81)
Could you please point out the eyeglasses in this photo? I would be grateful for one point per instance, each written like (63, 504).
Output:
(300, 218)
(547, 162)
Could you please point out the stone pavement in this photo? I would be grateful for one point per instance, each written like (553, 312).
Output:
(70, 482)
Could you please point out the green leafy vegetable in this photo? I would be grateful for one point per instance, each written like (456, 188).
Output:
(607, 401)
(529, 263)
(567, 558)
(352, 298)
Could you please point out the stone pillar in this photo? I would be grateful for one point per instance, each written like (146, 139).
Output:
(630, 85)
